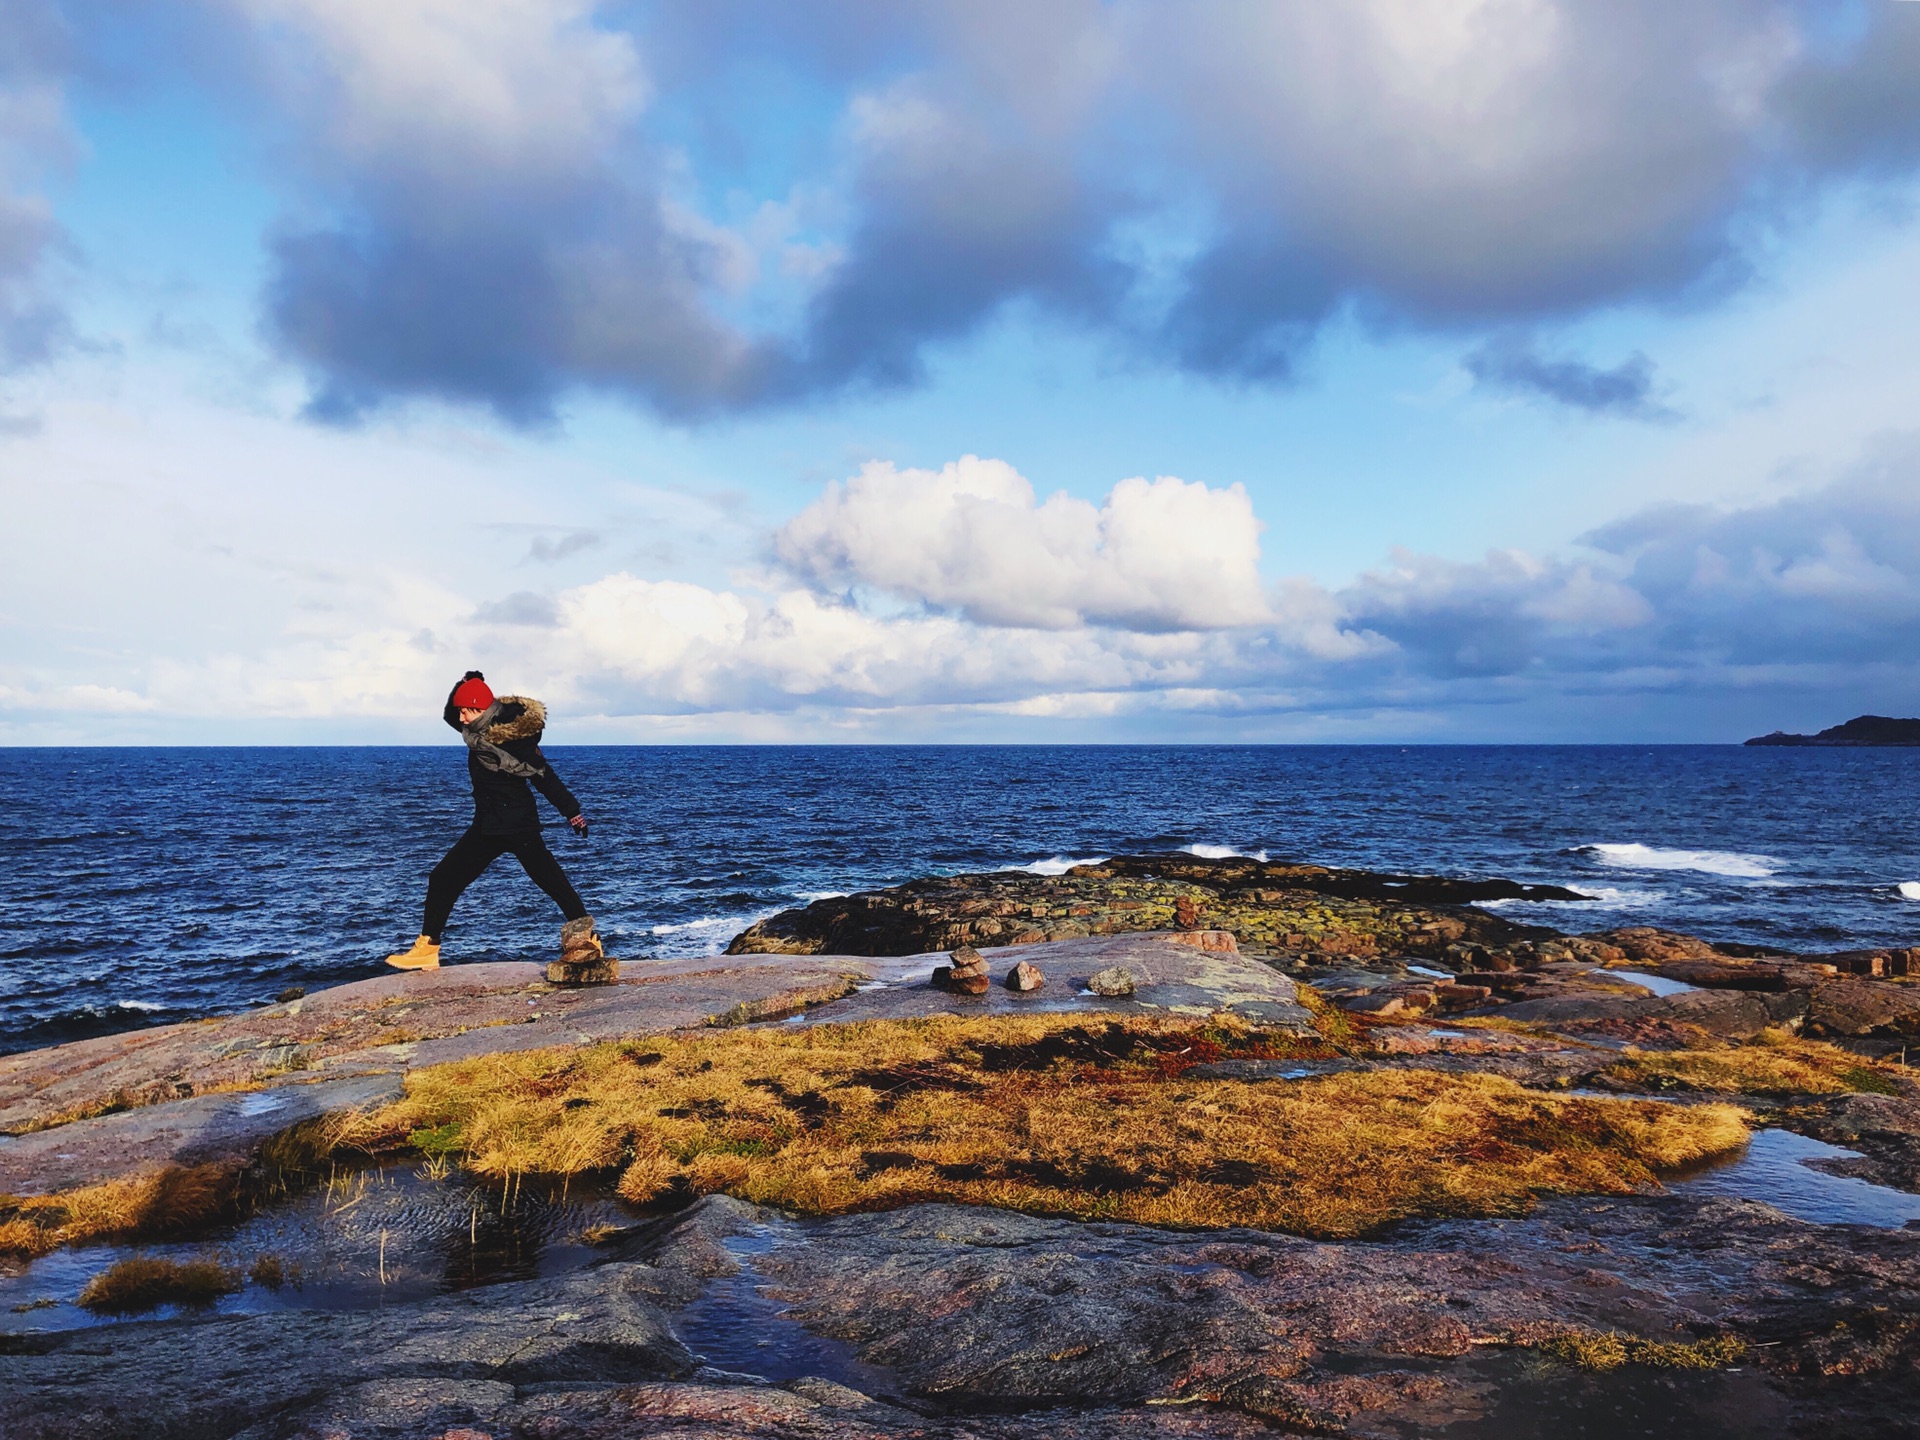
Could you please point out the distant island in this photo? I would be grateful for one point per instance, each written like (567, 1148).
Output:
(1861, 730)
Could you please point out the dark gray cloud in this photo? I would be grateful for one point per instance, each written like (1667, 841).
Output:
(1514, 363)
(526, 202)
(548, 549)
(523, 607)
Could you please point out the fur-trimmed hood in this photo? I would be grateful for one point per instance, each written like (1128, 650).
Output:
(519, 717)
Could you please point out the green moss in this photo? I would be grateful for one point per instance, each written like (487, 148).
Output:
(1872, 1082)
(437, 1141)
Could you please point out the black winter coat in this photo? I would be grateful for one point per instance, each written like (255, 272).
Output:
(502, 803)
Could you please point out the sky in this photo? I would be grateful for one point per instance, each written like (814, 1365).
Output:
(1395, 371)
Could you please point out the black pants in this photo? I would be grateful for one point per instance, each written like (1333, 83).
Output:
(473, 852)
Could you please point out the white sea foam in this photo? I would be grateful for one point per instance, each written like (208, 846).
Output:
(1909, 889)
(138, 1005)
(1053, 865)
(812, 895)
(1635, 856)
(1223, 852)
(1613, 895)
(1603, 894)
(714, 922)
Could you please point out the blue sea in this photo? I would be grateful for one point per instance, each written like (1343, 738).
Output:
(143, 886)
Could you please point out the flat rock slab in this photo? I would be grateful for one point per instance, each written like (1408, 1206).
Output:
(207, 1129)
(1733, 1014)
(395, 1023)
(1171, 977)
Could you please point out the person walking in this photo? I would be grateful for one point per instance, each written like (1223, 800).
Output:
(503, 754)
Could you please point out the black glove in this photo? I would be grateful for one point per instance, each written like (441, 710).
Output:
(579, 823)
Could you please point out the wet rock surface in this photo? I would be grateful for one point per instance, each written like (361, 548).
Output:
(1885, 1129)
(991, 1324)
(1363, 1337)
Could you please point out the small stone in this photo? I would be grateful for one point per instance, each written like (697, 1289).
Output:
(1376, 1002)
(1024, 977)
(1185, 913)
(945, 977)
(601, 970)
(1116, 980)
(1223, 941)
(292, 992)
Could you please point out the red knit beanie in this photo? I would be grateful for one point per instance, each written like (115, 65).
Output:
(472, 693)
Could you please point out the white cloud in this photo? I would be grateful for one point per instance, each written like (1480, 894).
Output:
(973, 538)
(440, 86)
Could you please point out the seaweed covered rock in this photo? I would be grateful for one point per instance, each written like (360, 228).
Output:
(1269, 908)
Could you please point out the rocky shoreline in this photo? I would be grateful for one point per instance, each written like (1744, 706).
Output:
(1645, 1308)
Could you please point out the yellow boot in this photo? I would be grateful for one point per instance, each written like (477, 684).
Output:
(425, 955)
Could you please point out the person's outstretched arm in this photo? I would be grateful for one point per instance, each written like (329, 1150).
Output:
(548, 782)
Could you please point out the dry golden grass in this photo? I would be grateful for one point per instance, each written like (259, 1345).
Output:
(1773, 1063)
(1054, 1115)
(142, 1282)
(171, 1201)
(176, 1201)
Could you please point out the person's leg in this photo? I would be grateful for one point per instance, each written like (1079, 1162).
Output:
(541, 867)
(470, 855)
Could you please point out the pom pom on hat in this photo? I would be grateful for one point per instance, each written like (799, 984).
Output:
(472, 692)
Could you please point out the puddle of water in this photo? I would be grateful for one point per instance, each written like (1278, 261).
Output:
(1658, 984)
(1430, 973)
(366, 1239)
(736, 1326)
(1773, 1168)
(1532, 1400)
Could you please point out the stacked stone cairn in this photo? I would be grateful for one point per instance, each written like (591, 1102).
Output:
(967, 975)
(583, 959)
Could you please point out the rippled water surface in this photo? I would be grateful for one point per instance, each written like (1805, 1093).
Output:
(141, 886)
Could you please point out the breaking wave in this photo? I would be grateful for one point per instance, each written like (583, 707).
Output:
(1909, 889)
(1609, 895)
(713, 922)
(1224, 852)
(1634, 856)
(1053, 865)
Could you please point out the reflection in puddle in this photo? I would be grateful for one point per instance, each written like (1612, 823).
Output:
(1773, 1168)
(1658, 984)
(365, 1239)
(736, 1326)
